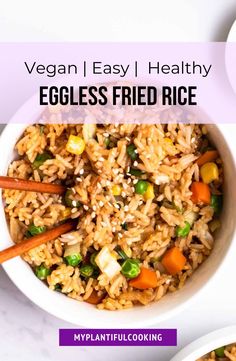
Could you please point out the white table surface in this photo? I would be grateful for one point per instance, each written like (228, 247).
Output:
(26, 332)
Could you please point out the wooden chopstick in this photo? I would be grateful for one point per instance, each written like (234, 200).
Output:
(36, 241)
(30, 186)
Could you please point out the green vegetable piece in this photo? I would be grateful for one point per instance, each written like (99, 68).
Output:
(73, 260)
(141, 187)
(121, 253)
(216, 203)
(124, 226)
(69, 201)
(220, 352)
(40, 159)
(183, 231)
(96, 273)
(131, 151)
(86, 270)
(107, 142)
(34, 230)
(92, 259)
(130, 268)
(135, 172)
(42, 272)
(58, 287)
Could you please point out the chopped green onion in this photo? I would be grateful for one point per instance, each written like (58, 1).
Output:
(124, 226)
(131, 151)
(141, 187)
(57, 287)
(73, 259)
(40, 159)
(220, 352)
(42, 272)
(216, 203)
(130, 268)
(183, 231)
(86, 270)
(135, 172)
(107, 142)
(121, 253)
(92, 259)
(34, 230)
(69, 201)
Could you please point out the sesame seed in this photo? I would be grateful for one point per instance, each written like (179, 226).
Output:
(74, 203)
(132, 189)
(101, 159)
(123, 194)
(99, 185)
(128, 180)
(116, 171)
(73, 190)
(127, 138)
(106, 135)
(119, 235)
(135, 181)
(79, 179)
(93, 215)
(86, 207)
(109, 203)
(135, 163)
(136, 151)
(126, 208)
(99, 171)
(81, 171)
(108, 183)
(101, 204)
(104, 224)
(140, 203)
(74, 210)
(128, 169)
(116, 205)
(94, 208)
(125, 186)
(113, 229)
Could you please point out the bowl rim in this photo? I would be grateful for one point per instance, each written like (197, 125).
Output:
(10, 265)
(207, 343)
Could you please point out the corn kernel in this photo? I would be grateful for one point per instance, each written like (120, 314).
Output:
(116, 190)
(149, 194)
(209, 172)
(168, 141)
(66, 213)
(75, 145)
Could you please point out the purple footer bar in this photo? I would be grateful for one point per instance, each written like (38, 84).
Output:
(118, 337)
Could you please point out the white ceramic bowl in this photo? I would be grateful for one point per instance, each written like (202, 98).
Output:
(84, 314)
(202, 346)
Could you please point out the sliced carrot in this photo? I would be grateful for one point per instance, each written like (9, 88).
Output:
(147, 278)
(94, 298)
(208, 156)
(200, 193)
(173, 260)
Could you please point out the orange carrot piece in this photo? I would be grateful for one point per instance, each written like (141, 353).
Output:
(94, 298)
(200, 193)
(147, 278)
(208, 156)
(173, 261)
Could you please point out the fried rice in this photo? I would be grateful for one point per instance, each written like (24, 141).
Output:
(143, 228)
(225, 353)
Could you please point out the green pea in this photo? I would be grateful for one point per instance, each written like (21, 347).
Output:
(86, 270)
(42, 272)
(73, 260)
(130, 268)
(121, 253)
(183, 231)
(40, 159)
(92, 259)
(131, 151)
(220, 352)
(141, 187)
(216, 203)
(69, 201)
(34, 230)
(135, 172)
